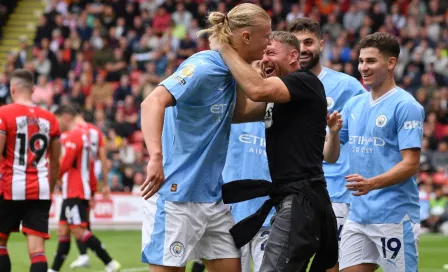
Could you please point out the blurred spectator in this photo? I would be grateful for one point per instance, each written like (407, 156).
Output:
(113, 140)
(25, 52)
(130, 110)
(102, 91)
(116, 66)
(76, 95)
(122, 127)
(100, 120)
(115, 183)
(353, 18)
(333, 28)
(161, 20)
(426, 157)
(294, 14)
(127, 153)
(440, 157)
(139, 178)
(43, 30)
(4, 89)
(43, 92)
(123, 90)
(438, 210)
(128, 179)
(42, 64)
(139, 165)
(187, 47)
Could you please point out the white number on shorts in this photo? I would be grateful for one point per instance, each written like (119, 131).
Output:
(393, 244)
(263, 234)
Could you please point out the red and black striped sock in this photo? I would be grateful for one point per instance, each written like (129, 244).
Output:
(38, 262)
(5, 262)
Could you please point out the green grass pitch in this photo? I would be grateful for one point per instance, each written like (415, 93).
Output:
(124, 246)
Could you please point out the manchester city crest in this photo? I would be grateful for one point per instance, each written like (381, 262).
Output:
(177, 249)
(381, 120)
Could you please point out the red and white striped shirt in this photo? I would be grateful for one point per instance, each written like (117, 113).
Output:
(75, 165)
(24, 168)
(96, 141)
(96, 138)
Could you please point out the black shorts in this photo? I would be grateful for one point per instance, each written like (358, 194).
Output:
(33, 214)
(74, 212)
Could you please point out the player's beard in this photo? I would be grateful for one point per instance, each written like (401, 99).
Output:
(283, 70)
(311, 63)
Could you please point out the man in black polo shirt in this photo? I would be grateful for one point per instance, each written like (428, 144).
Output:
(296, 119)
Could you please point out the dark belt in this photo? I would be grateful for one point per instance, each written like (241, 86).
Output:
(242, 190)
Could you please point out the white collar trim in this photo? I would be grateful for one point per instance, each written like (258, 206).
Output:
(383, 97)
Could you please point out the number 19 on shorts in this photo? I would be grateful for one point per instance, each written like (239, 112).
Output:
(392, 245)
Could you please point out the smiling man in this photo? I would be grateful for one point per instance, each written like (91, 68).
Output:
(295, 120)
(384, 130)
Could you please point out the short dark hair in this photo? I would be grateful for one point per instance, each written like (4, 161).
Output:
(24, 78)
(305, 25)
(386, 43)
(65, 109)
(285, 38)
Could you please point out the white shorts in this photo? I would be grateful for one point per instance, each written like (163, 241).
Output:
(392, 246)
(254, 250)
(174, 233)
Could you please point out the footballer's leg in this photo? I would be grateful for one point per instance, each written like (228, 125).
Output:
(63, 233)
(81, 233)
(217, 248)
(358, 251)
(159, 268)
(78, 228)
(35, 227)
(9, 220)
(223, 265)
(83, 258)
(170, 233)
(63, 246)
(5, 261)
(198, 266)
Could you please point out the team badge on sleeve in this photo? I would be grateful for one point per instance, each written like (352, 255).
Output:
(187, 71)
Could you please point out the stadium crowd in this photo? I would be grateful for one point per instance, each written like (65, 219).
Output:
(108, 55)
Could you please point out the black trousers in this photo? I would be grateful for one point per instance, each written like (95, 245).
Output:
(301, 229)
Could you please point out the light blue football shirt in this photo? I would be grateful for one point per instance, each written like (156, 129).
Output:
(376, 132)
(196, 130)
(246, 159)
(339, 88)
